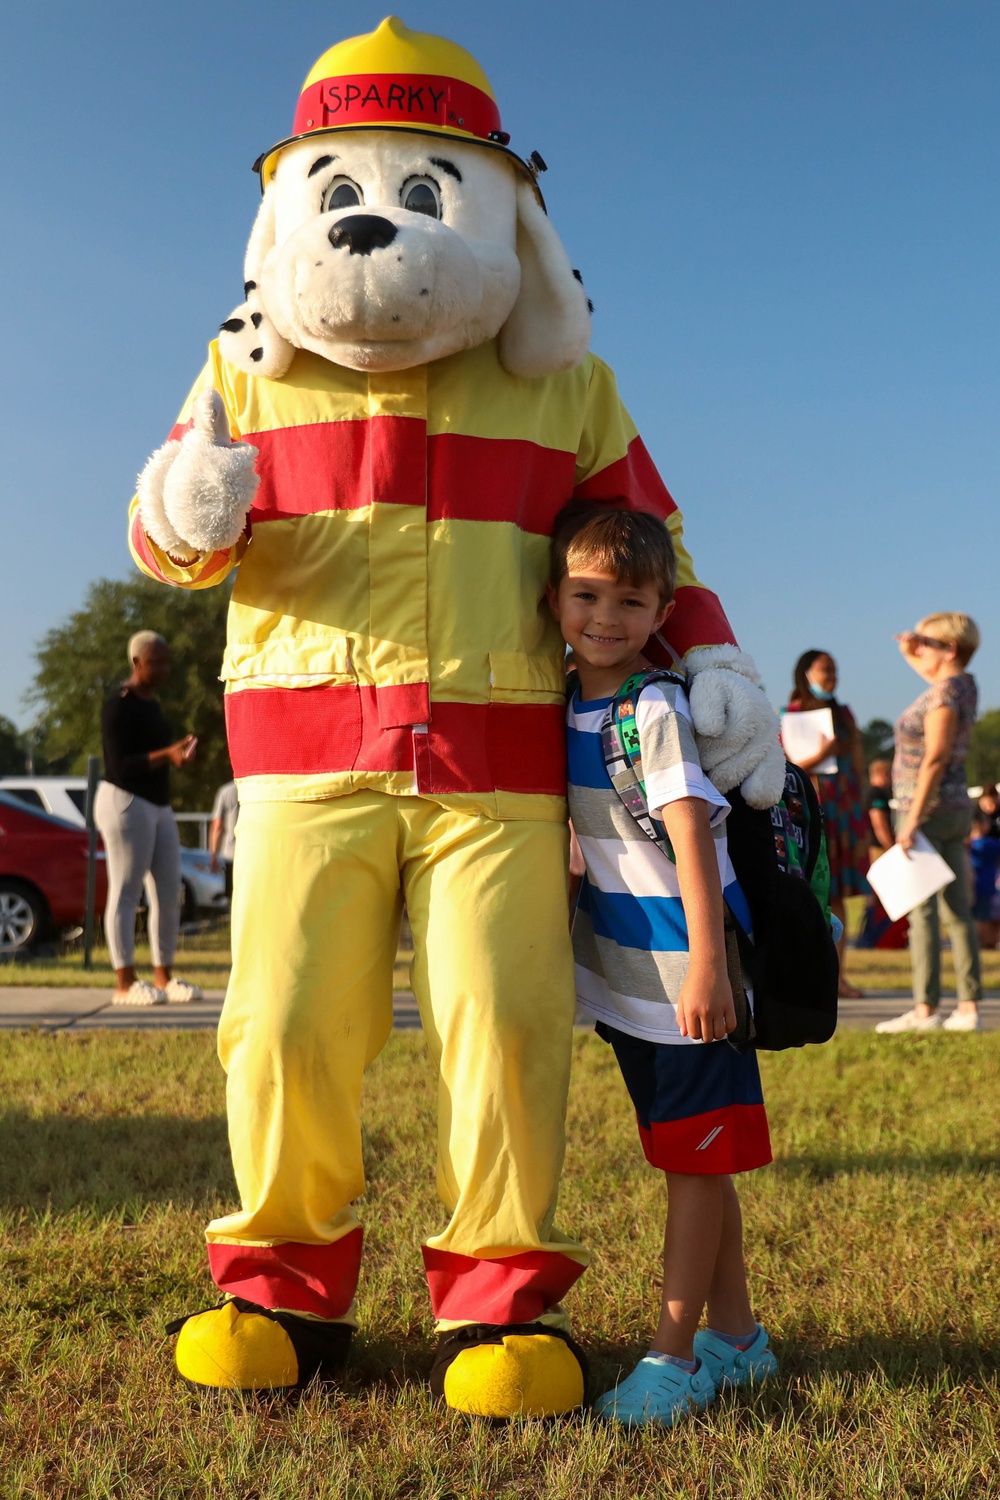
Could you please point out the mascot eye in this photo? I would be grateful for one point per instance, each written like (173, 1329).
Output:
(342, 193)
(421, 195)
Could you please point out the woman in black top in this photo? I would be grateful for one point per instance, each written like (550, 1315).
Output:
(136, 822)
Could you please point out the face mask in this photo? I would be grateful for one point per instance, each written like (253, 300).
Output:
(819, 693)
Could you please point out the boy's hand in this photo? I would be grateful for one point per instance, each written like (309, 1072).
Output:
(705, 1010)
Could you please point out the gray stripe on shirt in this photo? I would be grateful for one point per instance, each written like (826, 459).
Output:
(629, 971)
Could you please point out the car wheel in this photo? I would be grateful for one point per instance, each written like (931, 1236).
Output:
(22, 917)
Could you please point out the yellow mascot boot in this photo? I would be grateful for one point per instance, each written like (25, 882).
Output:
(242, 1347)
(509, 1370)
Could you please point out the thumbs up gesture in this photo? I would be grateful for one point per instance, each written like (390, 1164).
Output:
(194, 493)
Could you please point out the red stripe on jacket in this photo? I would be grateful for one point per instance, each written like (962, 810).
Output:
(346, 465)
(633, 479)
(467, 747)
(698, 617)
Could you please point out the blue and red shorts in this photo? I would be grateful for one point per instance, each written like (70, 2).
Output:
(699, 1108)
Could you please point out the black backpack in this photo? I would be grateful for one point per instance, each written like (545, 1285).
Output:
(779, 859)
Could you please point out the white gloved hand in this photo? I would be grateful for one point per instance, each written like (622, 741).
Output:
(194, 493)
(735, 727)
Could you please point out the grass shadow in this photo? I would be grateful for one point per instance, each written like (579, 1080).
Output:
(898, 1360)
(63, 1162)
(822, 1166)
(378, 1362)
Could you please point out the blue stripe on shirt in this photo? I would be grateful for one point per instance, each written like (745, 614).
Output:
(650, 923)
(586, 759)
(653, 924)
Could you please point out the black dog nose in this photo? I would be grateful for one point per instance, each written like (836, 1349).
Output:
(362, 233)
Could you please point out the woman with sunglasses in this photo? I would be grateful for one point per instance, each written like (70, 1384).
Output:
(928, 777)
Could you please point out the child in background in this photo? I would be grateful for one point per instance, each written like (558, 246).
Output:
(879, 812)
(877, 930)
(984, 857)
(989, 803)
(651, 962)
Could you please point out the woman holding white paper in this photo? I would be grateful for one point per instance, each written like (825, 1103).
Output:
(837, 768)
(928, 776)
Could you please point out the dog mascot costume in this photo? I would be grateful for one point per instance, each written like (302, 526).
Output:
(379, 443)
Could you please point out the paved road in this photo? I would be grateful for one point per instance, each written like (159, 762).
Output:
(88, 1009)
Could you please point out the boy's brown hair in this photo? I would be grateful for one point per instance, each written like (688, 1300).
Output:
(631, 545)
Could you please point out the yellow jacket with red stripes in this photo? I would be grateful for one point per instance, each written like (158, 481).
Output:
(388, 628)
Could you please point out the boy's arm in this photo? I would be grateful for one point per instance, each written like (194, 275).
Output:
(705, 1008)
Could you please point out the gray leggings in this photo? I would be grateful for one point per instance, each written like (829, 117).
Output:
(141, 843)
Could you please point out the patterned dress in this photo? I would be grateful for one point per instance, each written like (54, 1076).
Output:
(845, 821)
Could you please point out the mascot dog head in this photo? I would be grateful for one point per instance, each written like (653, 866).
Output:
(397, 227)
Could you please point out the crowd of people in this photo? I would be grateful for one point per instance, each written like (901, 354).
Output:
(866, 810)
(923, 790)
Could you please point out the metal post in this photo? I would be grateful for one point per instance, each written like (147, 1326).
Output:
(93, 777)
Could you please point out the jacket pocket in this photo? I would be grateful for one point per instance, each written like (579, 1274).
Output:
(516, 677)
(290, 661)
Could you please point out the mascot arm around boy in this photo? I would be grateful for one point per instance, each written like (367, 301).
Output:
(379, 443)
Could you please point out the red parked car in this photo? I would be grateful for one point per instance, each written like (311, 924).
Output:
(43, 875)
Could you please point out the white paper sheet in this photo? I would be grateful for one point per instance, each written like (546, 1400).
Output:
(901, 882)
(802, 734)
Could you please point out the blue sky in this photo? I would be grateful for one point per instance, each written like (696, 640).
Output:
(785, 212)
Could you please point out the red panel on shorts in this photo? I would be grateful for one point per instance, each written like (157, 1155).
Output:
(732, 1139)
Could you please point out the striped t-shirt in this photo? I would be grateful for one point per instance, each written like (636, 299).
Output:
(630, 934)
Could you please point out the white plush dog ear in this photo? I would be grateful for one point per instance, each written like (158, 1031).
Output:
(248, 339)
(549, 326)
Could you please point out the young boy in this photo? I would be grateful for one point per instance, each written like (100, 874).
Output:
(651, 962)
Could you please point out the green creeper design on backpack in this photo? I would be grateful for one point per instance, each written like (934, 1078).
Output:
(797, 853)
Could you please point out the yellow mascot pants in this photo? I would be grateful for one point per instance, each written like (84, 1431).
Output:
(318, 896)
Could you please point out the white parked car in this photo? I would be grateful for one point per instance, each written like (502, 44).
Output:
(204, 890)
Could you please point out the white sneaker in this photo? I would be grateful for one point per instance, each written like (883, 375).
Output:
(180, 991)
(140, 992)
(909, 1021)
(964, 1020)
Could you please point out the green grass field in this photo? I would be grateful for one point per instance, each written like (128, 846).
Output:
(873, 1245)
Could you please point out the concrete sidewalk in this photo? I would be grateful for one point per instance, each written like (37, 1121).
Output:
(89, 1009)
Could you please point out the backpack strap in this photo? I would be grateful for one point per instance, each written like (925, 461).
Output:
(623, 752)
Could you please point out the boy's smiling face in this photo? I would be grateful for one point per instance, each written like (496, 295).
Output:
(607, 622)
